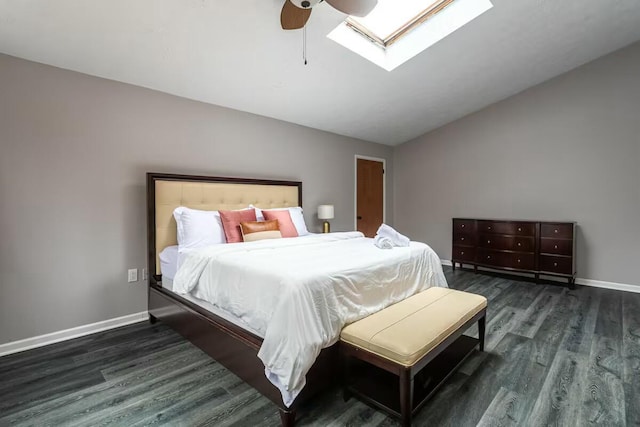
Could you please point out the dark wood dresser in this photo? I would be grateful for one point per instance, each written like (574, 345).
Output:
(535, 247)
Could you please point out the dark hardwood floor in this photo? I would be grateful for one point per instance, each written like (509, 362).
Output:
(554, 357)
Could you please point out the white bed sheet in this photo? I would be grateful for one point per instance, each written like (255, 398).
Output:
(299, 293)
(168, 284)
(169, 260)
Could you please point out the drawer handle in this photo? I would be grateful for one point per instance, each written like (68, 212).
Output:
(555, 246)
(489, 228)
(518, 261)
(519, 229)
(555, 231)
(462, 253)
(555, 264)
(519, 244)
(488, 256)
(488, 241)
(462, 238)
(462, 226)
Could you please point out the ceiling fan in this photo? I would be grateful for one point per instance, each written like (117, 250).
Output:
(295, 13)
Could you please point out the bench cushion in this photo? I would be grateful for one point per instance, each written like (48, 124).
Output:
(406, 331)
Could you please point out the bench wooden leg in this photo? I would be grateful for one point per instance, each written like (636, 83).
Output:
(346, 371)
(406, 396)
(482, 324)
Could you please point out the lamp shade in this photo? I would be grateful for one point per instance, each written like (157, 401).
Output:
(325, 212)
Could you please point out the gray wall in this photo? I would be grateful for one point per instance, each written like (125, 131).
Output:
(568, 149)
(73, 156)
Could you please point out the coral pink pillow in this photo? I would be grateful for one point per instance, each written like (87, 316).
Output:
(231, 223)
(284, 222)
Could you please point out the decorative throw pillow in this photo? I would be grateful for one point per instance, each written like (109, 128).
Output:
(296, 217)
(260, 230)
(231, 223)
(284, 222)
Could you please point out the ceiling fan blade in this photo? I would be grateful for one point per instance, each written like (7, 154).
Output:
(292, 17)
(353, 7)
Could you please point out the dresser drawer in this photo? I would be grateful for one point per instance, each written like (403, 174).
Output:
(466, 226)
(524, 261)
(554, 246)
(507, 227)
(465, 239)
(561, 230)
(556, 264)
(461, 253)
(510, 243)
(497, 258)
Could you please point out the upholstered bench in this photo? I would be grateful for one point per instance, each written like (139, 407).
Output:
(418, 338)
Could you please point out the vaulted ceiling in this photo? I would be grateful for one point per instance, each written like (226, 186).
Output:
(233, 53)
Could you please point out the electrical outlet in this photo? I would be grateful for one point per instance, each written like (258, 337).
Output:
(132, 275)
(145, 276)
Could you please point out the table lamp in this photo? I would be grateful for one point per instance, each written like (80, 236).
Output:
(325, 212)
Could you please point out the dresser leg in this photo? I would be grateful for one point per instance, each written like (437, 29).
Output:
(453, 264)
(475, 269)
(572, 283)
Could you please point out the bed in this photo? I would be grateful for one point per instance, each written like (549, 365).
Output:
(243, 341)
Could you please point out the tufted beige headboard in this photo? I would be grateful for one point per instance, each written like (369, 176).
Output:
(166, 192)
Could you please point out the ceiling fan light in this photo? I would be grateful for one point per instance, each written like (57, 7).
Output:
(305, 4)
(354, 7)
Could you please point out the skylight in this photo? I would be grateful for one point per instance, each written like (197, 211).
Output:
(392, 17)
(395, 31)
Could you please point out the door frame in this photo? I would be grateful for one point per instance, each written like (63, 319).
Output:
(355, 187)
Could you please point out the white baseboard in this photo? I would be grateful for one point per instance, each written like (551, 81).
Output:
(587, 282)
(609, 285)
(67, 334)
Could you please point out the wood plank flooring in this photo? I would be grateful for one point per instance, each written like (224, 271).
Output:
(554, 357)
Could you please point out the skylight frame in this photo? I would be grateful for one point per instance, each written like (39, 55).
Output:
(434, 28)
(406, 28)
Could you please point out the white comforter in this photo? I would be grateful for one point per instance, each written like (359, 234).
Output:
(299, 293)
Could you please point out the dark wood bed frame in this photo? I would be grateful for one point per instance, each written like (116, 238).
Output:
(232, 346)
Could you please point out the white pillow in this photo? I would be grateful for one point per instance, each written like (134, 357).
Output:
(296, 217)
(259, 214)
(197, 229)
